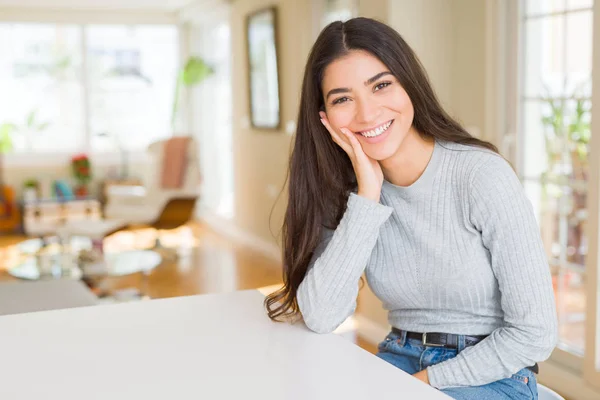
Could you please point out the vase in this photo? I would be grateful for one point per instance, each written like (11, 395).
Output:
(30, 195)
(81, 190)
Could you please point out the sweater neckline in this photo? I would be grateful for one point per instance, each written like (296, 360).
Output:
(425, 181)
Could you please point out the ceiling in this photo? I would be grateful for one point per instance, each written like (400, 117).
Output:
(145, 5)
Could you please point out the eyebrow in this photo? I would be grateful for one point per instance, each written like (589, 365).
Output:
(366, 83)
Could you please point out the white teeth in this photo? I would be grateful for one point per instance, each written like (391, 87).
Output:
(376, 132)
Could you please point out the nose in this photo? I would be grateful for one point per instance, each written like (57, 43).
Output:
(367, 111)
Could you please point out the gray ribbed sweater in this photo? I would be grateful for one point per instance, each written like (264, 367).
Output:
(459, 251)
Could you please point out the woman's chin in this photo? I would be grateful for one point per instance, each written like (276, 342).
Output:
(379, 154)
(380, 151)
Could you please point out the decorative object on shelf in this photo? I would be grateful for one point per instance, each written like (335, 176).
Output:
(10, 215)
(194, 72)
(80, 165)
(261, 34)
(63, 191)
(82, 191)
(31, 190)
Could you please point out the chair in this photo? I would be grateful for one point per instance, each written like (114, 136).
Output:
(156, 206)
(545, 393)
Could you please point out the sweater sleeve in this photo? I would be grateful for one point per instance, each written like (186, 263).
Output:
(500, 210)
(327, 294)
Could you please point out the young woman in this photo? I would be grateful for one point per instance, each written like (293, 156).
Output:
(384, 182)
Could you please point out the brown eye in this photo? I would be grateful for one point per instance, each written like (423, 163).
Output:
(340, 100)
(382, 85)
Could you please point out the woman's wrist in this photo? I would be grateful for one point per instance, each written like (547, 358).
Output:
(371, 196)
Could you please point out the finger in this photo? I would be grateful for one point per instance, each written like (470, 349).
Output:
(337, 138)
(351, 137)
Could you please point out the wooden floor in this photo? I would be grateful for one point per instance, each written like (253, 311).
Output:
(197, 261)
(206, 262)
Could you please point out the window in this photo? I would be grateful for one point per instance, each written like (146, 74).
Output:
(41, 91)
(93, 88)
(132, 74)
(544, 52)
(555, 107)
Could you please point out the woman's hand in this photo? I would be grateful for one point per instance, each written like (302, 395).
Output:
(422, 376)
(368, 171)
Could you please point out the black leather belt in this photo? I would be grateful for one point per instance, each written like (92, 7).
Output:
(448, 340)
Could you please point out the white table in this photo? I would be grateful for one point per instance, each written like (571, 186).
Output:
(95, 230)
(198, 347)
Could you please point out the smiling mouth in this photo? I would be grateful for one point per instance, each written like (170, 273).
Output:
(377, 131)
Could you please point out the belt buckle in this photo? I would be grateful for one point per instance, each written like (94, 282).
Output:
(424, 340)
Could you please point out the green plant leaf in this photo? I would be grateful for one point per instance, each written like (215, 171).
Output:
(6, 130)
(43, 126)
(30, 119)
(195, 71)
(63, 63)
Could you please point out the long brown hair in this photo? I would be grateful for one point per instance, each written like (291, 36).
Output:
(320, 174)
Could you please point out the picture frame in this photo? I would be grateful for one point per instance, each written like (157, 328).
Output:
(263, 69)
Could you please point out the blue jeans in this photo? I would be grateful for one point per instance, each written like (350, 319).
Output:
(411, 356)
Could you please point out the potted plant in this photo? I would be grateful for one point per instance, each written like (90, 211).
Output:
(31, 190)
(80, 165)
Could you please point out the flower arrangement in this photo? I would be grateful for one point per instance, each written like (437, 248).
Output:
(80, 165)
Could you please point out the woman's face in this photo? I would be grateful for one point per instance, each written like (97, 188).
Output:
(362, 95)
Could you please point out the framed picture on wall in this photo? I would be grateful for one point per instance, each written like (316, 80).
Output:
(263, 71)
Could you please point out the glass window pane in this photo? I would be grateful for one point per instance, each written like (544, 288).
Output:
(40, 82)
(535, 161)
(555, 113)
(556, 134)
(569, 291)
(544, 60)
(578, 4)
(536, 7)
(578, 59)
(132, 73)
(559, 215)
(546, 200)
(577, 243)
